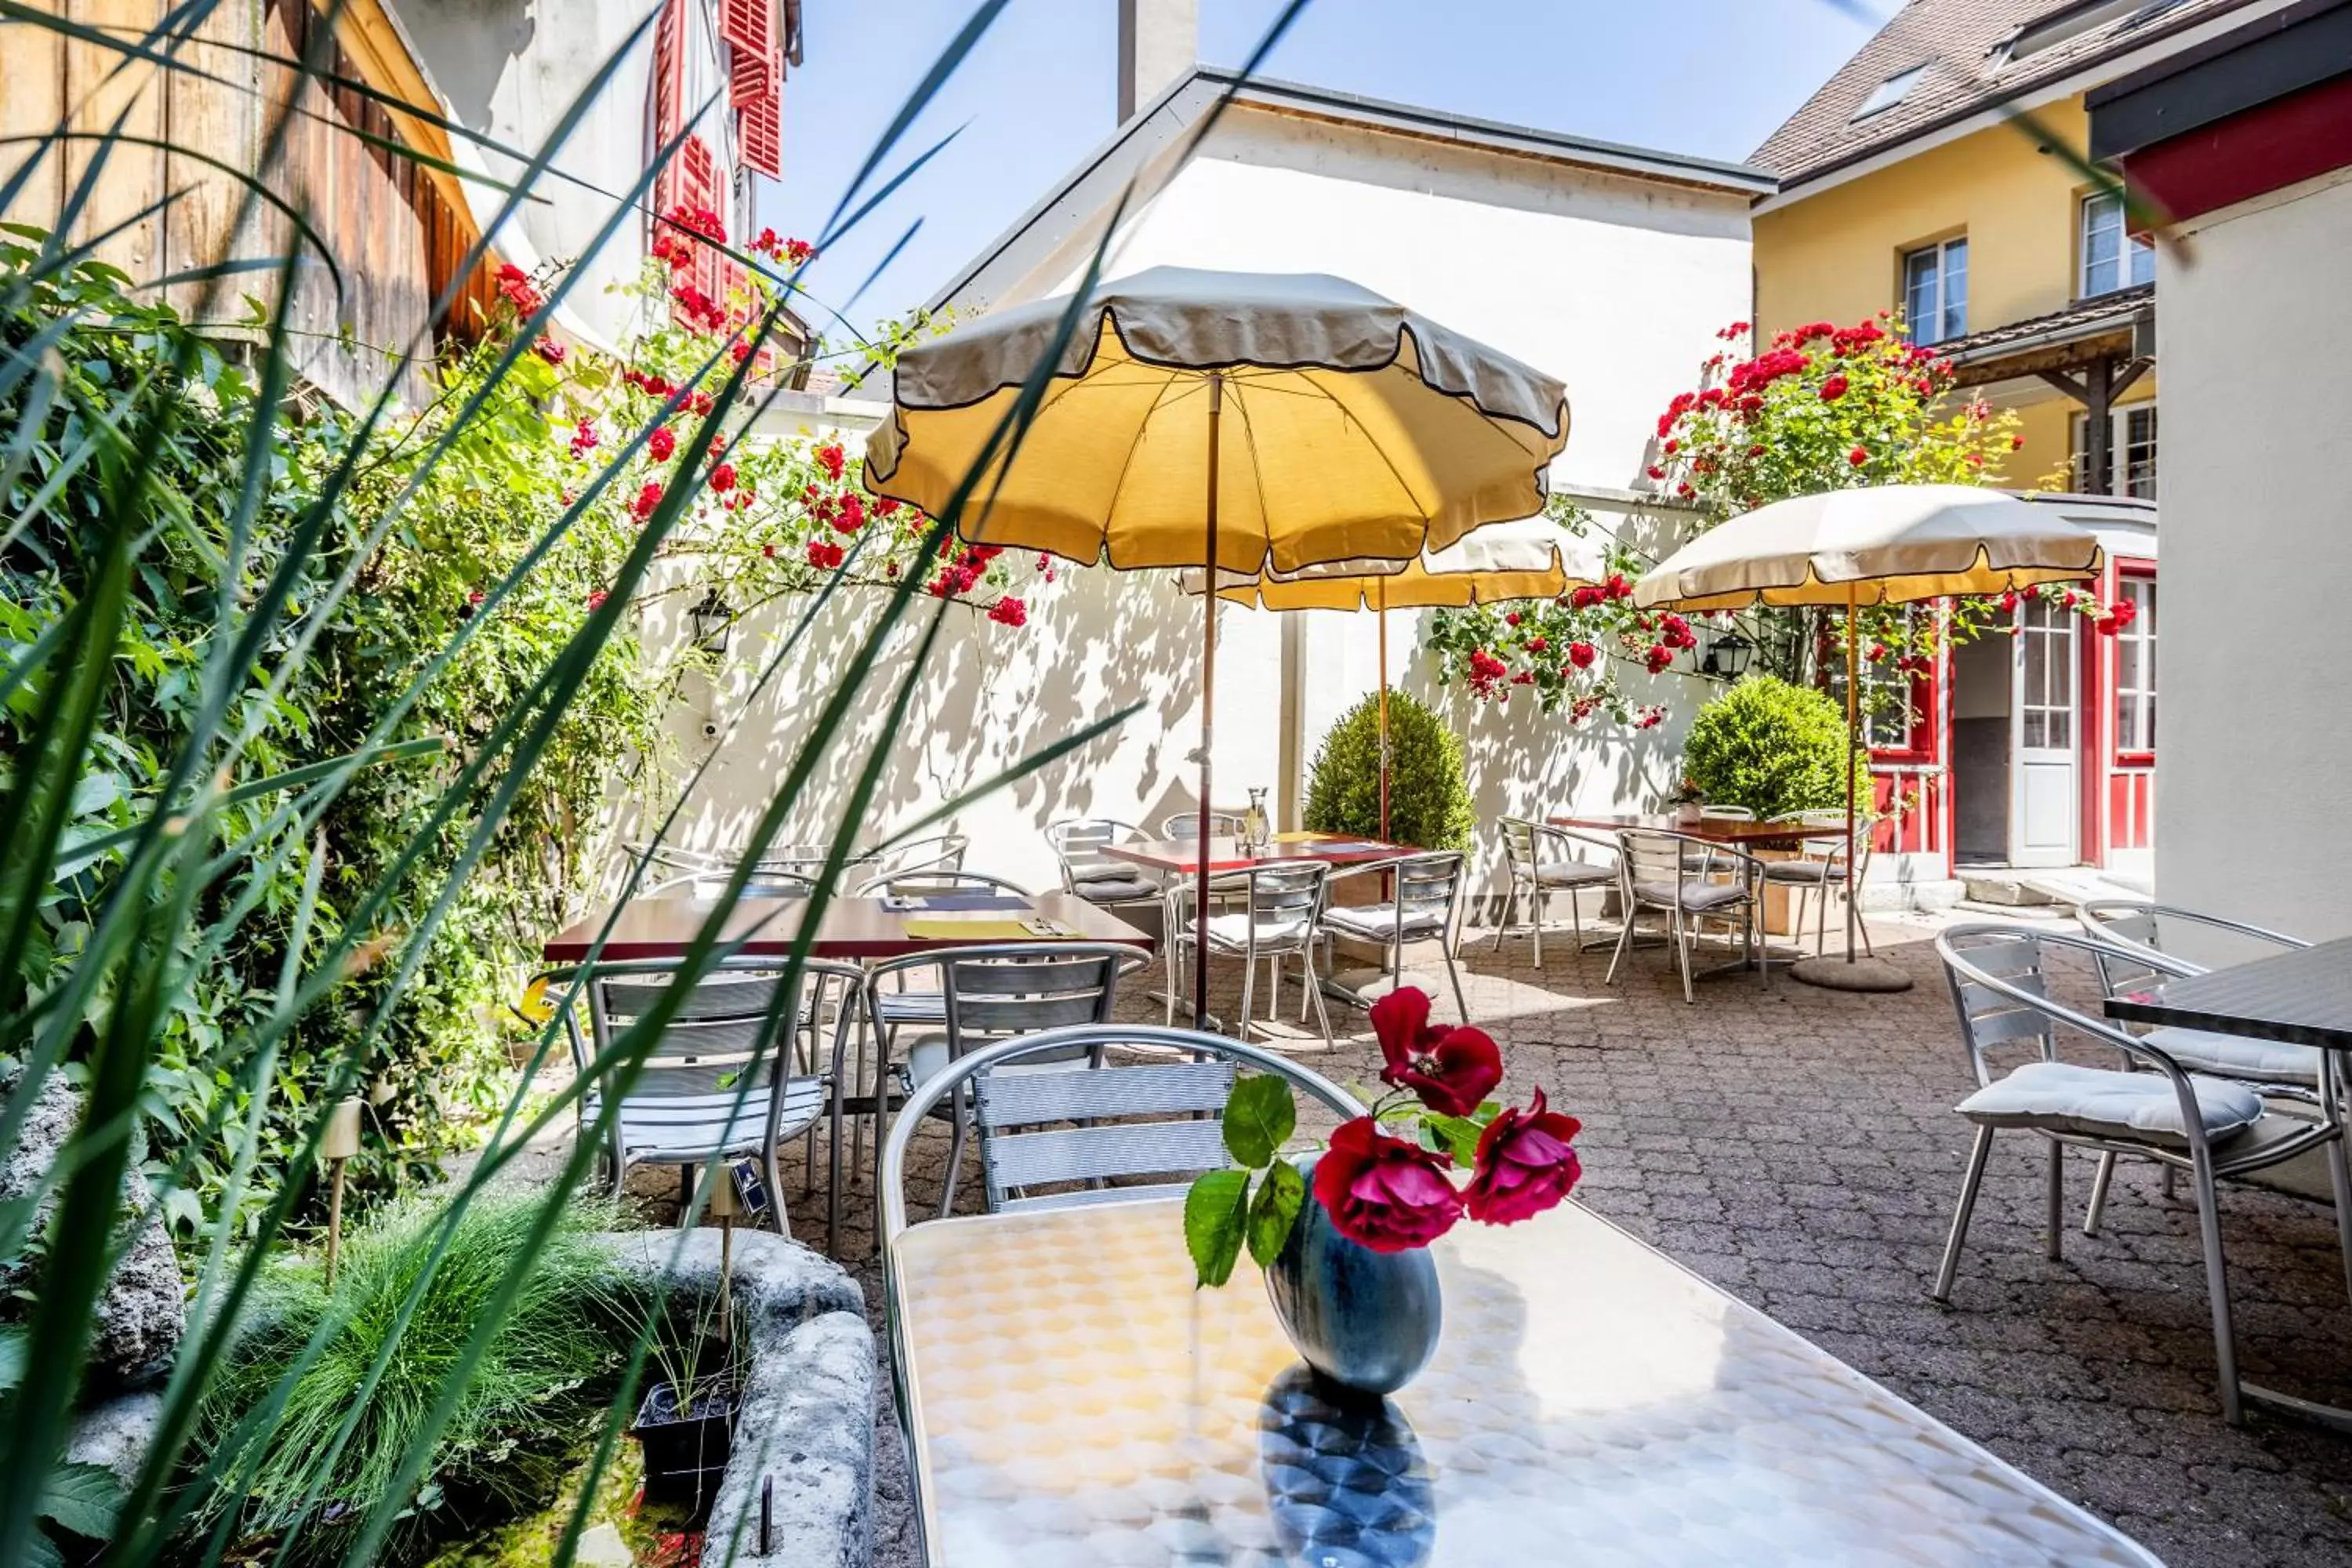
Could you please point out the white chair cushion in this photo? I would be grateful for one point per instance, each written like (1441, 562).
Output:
(1805, 871)
(1234, 931)
(2103, 1102)
(1378, 921)
(1114, 890)
(2237, 1055)
(1574, 873)
(1696, 897)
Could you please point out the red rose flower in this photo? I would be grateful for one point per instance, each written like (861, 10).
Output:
(1450, 1068)
(1582, 654)
(1658, 657)
(1656, 472)
(824, 554)
(661, 443)
(852, 514)
(1538, 645)
(548, 350)
(1525, 1164)
(1586, 597)
(583, 437)
(1384, 1193)
(722, 477)
(2009, 600)
(596, 599)
(1512, 619)
(1833, 388)
(1858, 456)
(647, 499)
(830, 458)
(1009, 611)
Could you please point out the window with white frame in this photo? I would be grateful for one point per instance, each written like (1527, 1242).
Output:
(2113, 257)
(2136, 669)
(1935, 291)
(2131, 452)
(1889, 93)
(1891, 716)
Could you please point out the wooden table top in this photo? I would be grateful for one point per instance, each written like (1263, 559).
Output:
(1716, 829)
(852, 928)
(1228, 854)
(2303, 998)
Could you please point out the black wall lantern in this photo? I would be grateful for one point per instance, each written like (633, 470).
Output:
(1727, 656)
(713, 620)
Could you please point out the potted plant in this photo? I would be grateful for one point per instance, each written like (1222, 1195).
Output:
(1342, 1233)
(1688, 802)
(687, 1420)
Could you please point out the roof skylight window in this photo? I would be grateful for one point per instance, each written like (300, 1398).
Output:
(1889, 93)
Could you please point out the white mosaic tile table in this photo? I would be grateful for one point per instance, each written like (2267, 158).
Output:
(1073, 1401)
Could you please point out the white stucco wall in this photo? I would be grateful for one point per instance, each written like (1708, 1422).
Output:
(2255, 737)
(511, 69)
(1614, 284)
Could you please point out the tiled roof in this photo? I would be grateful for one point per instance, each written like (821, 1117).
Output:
(1958, 43)
(2084, 320)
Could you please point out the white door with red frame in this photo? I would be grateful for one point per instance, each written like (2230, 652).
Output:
(2045, 792)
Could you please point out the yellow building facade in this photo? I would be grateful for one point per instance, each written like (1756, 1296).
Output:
(1833, 249)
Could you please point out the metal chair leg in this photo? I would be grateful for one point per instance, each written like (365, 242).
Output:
(2106, 1174)
(776, 1200)
(2217, 1291)
(955, 1155)
(1503, 925)
(1624, 943)
(1315, 991)
(1454, 974)
(1249, 991)
(2056, 1216)
(1961, 1216)
(1536, 903)
(2339, 1176)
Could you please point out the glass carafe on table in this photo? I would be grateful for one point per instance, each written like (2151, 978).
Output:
(1256, 828)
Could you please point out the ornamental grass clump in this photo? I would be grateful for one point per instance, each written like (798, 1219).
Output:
(530, 1394)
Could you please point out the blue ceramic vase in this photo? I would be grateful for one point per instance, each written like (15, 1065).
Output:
(1367, 1321)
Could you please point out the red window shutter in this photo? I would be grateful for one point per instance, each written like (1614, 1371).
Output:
(750, 79)
(702, 190)
(763, 138)
(669, 102)
(749, 26)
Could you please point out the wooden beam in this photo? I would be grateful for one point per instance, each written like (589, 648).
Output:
(2068, 385)
(2130, 371)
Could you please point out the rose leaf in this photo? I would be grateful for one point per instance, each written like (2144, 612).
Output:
(1280, 1198)
(1259, 1117)
(1215, 1211)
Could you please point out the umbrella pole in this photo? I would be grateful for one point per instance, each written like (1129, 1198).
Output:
(1383, 591)
(1855, 973)
(1208, 710)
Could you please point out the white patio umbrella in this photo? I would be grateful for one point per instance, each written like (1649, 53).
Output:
(1361, 432)
(1507, 561)
(1884, 544)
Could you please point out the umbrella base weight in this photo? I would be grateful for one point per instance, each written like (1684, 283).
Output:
(1362, 987)
(1850, 975)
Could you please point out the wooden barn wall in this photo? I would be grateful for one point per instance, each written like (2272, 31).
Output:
(390, 229)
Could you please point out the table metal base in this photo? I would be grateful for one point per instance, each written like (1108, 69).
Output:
(2334, 1417)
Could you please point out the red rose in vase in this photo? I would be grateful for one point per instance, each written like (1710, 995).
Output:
(1385, 1193)
(1450, 1070)
(1526, 1163)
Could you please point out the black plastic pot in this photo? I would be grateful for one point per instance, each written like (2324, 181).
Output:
(686, 1450)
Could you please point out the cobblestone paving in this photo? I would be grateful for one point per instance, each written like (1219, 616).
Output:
(1798, 1148)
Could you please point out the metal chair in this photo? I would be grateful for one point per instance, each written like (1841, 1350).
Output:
(1820, 869)
(1156, 1115)
(1093, 875)
(712, 884)
(1680, 877)
(2209, 1127)
(2126, 934)
(717, 1081)
(993, 990)
(1273, 914)
(1425, 906)
(939, 852)
(915, 884)
(1185, 825)
(1540, 860)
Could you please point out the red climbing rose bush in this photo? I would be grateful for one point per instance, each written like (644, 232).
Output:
(770, 516)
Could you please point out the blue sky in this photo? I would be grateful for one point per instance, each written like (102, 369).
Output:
(1706, 77)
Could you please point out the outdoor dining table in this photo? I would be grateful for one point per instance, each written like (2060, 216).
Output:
(2303, 997)
(1228, 854)
(1071, 1398)
(851, 929)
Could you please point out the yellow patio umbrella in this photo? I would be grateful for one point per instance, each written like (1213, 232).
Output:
(1884, 544)
(1360, 431)
(1507, 561)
